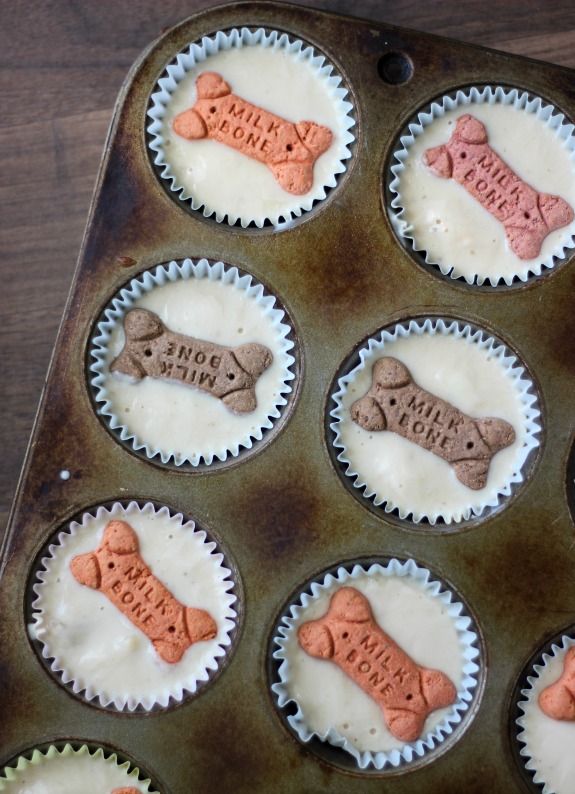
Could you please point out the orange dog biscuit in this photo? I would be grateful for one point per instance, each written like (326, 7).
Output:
(349, 636)
(527, 215)
(289, 150)
(118, 570)
(126, 790)
(558, 699)
(395, 402)
(229, 373)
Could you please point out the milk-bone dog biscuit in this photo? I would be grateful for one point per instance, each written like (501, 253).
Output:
(527, 215)
(289, 150)
(558, 699)
(126, 790)
(395, 402)
(229, 373)
(349, 636)
(118, 570)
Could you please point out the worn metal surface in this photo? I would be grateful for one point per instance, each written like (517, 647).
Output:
(341, 274)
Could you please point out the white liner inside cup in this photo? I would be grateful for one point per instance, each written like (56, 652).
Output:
(68, 771)
(181, 424)
(274, 72)
(425, 620)
(547, 743)
(440, 217)
(94, 647)
(467, 368)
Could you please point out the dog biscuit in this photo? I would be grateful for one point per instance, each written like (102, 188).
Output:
(527, 215)
(395, 402)
(229, 373)
(558, 699)
(118, 570)
(288, 150)
(349, 636)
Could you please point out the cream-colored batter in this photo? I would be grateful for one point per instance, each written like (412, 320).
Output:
(455, 230)
(221, 179)
(402, 474)
(424, 626)
(96, 646)
(178, 420)
(549, 742)
(70, 772)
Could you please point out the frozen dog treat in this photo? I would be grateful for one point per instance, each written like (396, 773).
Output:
(527, 215)
(289, 150)
(558, 699)
(118, 570)
(349, 636)
(228, 373)
(395, 402)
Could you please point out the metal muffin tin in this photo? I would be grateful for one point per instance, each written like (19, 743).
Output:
(283, 514)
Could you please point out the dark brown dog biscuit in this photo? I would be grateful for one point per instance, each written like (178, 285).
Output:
(118, 570)
(289, 150)
(349, 636)
(528, 216)
(395, 402)
(229, 373)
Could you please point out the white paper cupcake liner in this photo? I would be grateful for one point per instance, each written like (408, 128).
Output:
(401, 477)
(279, 74)
(547, 744)
(330, 682)
(68, 771)
(439, 217)
(94, 648)
(170, 421)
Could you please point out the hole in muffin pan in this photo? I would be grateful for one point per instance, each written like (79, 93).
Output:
(570, 482)
(337, 756)
(393, 515)
(96, 372)
(395, 68)
(76, 744)
(233, 634)
(288, 220)
(419, 256)
(516, 712)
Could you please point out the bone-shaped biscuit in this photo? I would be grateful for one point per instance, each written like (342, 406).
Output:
(289, 150)
(118, 570)
(229, 373)
(558, 699)
(349, 636)
(527, 215)
(395, 402)
(126, 790)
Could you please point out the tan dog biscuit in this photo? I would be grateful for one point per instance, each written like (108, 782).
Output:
(229, 373)
(349, 636)
(527, 215)
(118, 570)
(558, 699)
(289, 150)
(395, 402)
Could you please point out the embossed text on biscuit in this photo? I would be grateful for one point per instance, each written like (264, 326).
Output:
(288, 150)
(118, 570)
(230, 373)
(349, 636)
(527, 215)
(395, 402)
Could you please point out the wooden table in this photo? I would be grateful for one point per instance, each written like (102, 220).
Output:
(62, 66)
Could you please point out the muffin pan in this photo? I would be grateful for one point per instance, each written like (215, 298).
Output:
(282, 513)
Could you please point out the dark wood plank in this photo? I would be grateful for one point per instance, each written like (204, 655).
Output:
(61, 66)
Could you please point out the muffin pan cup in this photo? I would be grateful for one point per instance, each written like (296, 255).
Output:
(283, 514)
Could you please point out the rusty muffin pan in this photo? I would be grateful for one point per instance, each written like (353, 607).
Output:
(283, 513)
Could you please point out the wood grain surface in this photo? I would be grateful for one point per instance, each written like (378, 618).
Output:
(62, 63)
